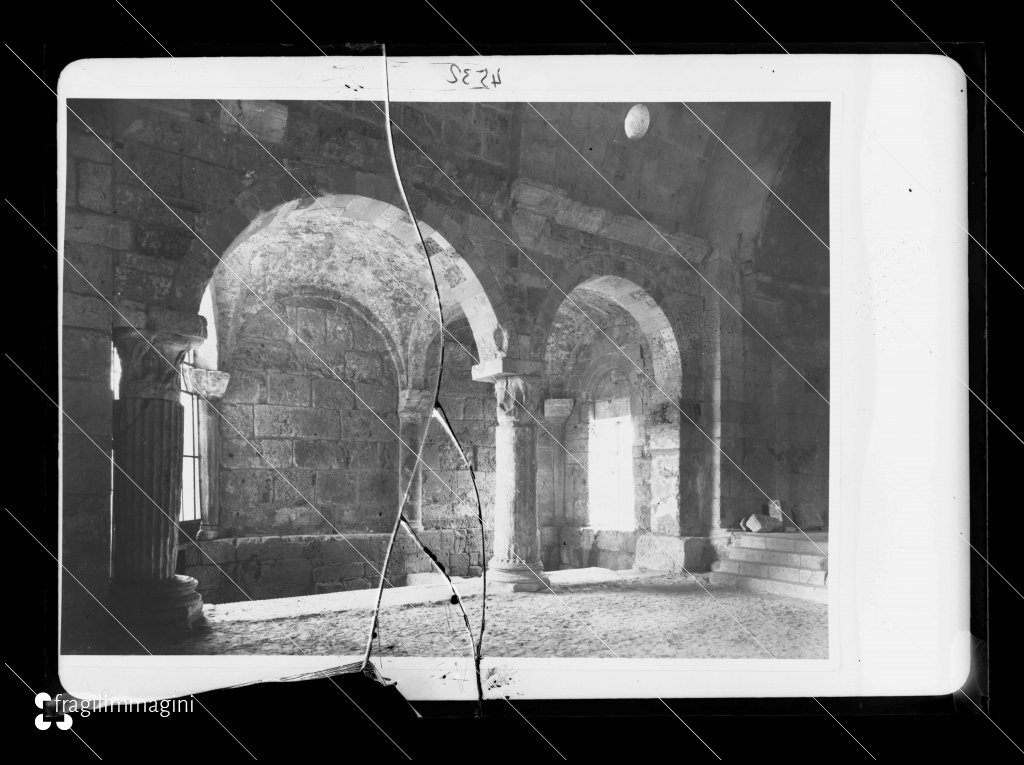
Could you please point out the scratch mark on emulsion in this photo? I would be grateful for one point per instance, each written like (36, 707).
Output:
(439, 415)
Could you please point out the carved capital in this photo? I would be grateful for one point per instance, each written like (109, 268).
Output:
(518, 398)
(151, 361)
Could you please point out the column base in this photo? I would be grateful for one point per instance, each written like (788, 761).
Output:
(503, 577)
(163, 603)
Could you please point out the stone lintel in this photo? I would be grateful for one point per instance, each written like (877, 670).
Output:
(491, 370)
(618, 407)
(557, 410)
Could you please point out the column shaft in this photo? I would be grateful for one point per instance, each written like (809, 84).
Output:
(516, 563)
(409, 470)
(148, 436)
(148, 447)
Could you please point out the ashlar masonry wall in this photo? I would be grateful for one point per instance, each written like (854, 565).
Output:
(448, 500)
(326, 449)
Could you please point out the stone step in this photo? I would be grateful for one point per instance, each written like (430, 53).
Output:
(796, 574)
(777, 558)
(772, 586)
(787, 542)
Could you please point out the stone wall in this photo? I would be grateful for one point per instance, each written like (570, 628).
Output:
(774, 419)
(448, 498)
(93, 242)
(293, 565)
(583, 546)
(325, 442)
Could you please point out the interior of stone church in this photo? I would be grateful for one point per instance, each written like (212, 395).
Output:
(581, 368)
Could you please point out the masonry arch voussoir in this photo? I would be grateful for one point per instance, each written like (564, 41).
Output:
(635, 293)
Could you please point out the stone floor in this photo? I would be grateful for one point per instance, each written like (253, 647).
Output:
(589, 612)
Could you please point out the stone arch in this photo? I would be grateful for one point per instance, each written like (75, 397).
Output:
(660, 503)
(467, 284)
(317, 254)
(606, 364)
(637, 296)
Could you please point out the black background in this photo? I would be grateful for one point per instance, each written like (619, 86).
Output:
(313, 719)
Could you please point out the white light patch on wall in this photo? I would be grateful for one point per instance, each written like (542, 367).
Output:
(610, 475)
(190, 489)
(206, 354)
(115, 372)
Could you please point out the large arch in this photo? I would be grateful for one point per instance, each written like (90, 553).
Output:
(466, 283)
(644, 365)
(635, 296)
(366, 255)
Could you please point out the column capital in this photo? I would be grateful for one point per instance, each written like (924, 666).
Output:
(151, 360)
(518, 399)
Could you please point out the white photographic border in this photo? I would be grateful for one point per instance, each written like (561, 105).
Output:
(898, 580)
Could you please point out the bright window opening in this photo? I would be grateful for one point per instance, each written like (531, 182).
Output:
(190, 492)
(610, 473)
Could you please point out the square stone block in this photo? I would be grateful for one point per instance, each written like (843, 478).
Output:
(658, 552)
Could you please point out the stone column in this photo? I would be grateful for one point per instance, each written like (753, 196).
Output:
(210, 384)
(414, 408)
(516, 564)
(148, 434)
(718, 322)
(409, 469)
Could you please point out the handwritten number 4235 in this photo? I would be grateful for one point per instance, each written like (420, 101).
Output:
(474, 78)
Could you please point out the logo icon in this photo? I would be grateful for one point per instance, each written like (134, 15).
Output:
(50, 713)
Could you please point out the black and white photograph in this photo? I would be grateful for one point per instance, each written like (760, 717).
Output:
(626, 341)
(534, 395)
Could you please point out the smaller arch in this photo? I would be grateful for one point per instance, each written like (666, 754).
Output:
(637, 300)
(635, 343)
(591, 377)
